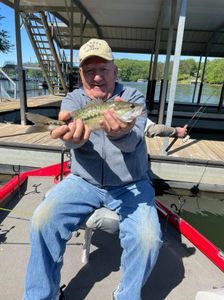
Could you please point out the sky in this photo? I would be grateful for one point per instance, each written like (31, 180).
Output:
(8, 24)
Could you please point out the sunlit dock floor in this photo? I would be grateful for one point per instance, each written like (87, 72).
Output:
(200, 161)
(38, 101)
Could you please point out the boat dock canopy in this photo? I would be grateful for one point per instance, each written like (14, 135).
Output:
(130, 26)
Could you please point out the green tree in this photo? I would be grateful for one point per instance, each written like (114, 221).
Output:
(5, 45)
(132, 70)
(188, 68)
(214, 71)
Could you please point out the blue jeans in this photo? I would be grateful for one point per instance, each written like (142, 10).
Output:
(65, 207)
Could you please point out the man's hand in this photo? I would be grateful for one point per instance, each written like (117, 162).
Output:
(75, 132)
(112, 125)
(181, 132)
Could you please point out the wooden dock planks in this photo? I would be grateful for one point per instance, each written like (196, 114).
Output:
(193, 149)
(32, 102)
(14, 133)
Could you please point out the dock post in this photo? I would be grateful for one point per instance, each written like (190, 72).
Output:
(221, 100)
(197, 76)
(22, 95)
(202, 80)
(176, 63)
(167, 63)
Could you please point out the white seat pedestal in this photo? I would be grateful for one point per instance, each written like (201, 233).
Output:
(102, 218)
(214, 294)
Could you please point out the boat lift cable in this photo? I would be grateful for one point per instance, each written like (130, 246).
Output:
(197, 114)
(195, 189)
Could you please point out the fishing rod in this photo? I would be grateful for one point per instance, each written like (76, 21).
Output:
(197, 114)
(196, 120)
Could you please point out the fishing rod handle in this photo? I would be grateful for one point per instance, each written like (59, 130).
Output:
(186, 138)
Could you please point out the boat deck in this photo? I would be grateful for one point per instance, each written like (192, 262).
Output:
(180, 272)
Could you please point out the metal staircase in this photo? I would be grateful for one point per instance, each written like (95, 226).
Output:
(50, 60)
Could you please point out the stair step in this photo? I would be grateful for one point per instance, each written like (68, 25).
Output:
(47, 56)
(39, 34)
(37, 26)
(34, 18)
(44, 42)
(44, 48)
(44, 51)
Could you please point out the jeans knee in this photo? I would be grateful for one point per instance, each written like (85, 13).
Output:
(149, 234)
(149, 238)
(42, 215)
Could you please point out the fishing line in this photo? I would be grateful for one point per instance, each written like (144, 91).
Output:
(19, 212)
(198, 113)
(195, 189)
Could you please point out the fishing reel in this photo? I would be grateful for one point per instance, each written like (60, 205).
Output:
(186, 138)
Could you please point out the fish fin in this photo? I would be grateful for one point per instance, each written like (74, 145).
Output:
(96, 101)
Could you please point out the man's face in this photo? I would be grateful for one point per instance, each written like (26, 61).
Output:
(98, 77)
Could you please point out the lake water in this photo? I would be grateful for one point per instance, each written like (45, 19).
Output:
(33, 89)
(204, 211)
(184, 92)
(4, 178)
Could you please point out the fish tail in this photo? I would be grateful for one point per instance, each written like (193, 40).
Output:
(41, 123)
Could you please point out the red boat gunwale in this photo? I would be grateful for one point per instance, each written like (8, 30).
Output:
(200, 242)
(12, 185)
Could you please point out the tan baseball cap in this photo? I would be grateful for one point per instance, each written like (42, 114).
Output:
(95, 47)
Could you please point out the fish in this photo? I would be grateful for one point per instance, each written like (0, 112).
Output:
(91, 115)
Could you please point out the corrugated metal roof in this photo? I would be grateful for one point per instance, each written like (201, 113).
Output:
(130, 26)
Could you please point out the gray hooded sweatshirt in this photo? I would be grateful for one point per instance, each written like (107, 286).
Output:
(104, 160)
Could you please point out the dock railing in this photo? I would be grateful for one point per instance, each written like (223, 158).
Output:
(11, 81)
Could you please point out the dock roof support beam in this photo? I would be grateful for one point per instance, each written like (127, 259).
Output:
(71, 36)
(167, 63)
(176, 63)
(153, 68)
(89, 17)
(202, 80)
(197, 76)
(22, 92)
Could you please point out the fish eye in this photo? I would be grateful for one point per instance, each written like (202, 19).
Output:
(132, 105)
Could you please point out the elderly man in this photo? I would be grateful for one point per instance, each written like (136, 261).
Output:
(109, 168)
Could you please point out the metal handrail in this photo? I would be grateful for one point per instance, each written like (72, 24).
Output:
(13, 83)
